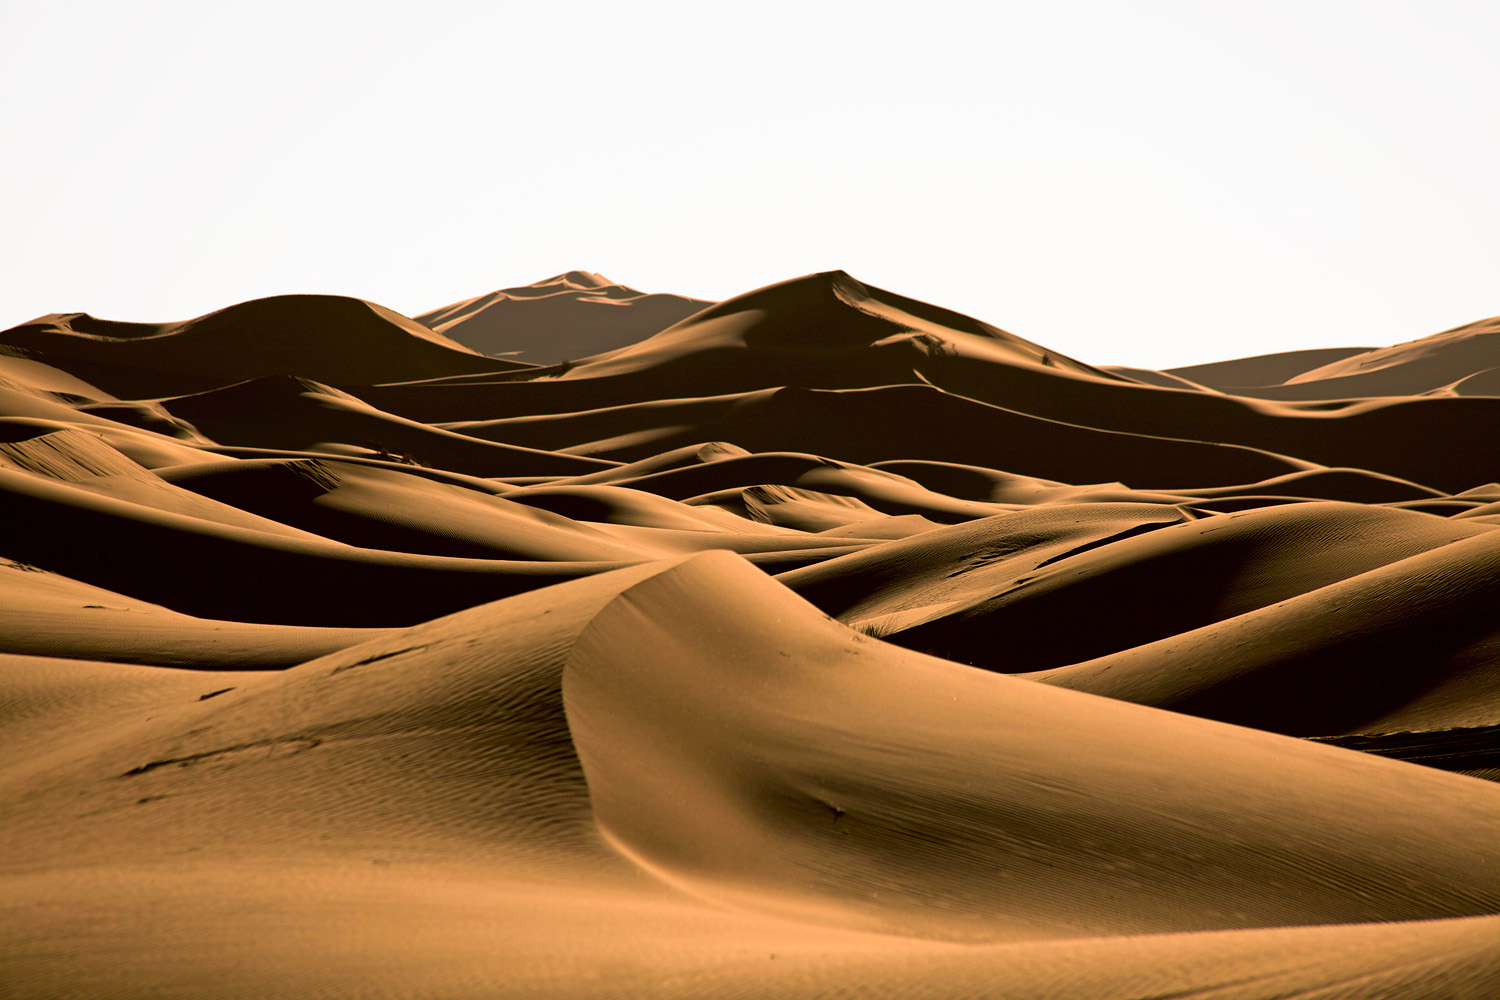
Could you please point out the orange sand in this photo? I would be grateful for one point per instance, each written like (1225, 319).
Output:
(571, 641)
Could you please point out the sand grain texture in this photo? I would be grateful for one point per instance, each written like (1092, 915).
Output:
(574, 641)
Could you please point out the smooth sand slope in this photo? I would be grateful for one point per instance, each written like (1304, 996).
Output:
(1463, 361)
(817, 642)
(567, 316)
(326, 337)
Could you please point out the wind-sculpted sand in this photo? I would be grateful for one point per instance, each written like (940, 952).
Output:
(817, 642)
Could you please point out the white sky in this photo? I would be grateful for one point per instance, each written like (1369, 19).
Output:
(1144, 182)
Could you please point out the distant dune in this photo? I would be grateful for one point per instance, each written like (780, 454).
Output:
(559, 318)
(1464, 361)
(574, 641)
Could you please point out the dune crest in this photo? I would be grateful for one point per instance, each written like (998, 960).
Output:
(559, 318)
(818, 641)
(815, 760)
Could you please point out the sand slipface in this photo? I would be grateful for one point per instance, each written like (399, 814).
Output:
(575, 641)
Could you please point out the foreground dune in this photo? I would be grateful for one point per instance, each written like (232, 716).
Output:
(815, 642)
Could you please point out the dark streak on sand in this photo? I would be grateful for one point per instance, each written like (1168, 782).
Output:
(295, 744)
(1465, 749)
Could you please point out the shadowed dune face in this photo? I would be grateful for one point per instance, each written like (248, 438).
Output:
(817, 641)
(1195, 573)
(326, 337)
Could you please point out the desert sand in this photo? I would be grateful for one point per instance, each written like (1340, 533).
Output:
(574, 641)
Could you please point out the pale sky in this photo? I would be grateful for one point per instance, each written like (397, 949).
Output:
(1142, 183)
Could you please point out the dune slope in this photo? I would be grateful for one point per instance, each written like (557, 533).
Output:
(815, 642)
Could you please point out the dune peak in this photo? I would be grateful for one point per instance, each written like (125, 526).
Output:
(816, 641)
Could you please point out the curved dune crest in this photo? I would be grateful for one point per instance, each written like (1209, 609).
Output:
(961, 565)
(46, 614)
(809, 764)
(1195, 573)
(327, 337)
(830, 311)
(1442, 363)
(522, 725)
(819, 641)
(567, 316)
(1408, 645)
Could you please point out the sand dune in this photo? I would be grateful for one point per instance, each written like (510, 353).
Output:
(1196, 572)
(325, 337)
(1404, 646)
(567, 316)
(1457, 362)
(46, 614)
(1263, 369)
(811, 763)
(815, 642)
(829, 332)
(1413, 367)
(295, 413)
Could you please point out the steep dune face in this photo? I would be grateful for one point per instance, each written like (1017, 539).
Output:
(819, 641)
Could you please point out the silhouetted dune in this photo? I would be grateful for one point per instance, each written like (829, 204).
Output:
(567, 316)
(828, 331)
(823, 331)
(1442, 363)
(1263, 369)
(813, 320)
(1413, 367)
(1163, 380)
(325, 337)
(814, 642)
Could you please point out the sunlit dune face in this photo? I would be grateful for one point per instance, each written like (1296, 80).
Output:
(581, 641)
